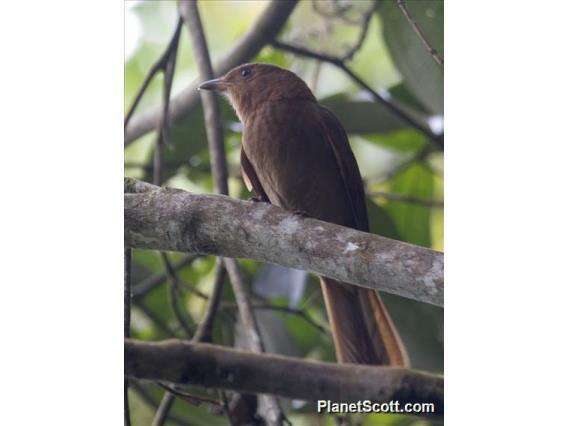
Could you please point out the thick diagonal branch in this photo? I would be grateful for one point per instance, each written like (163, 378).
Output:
(219, 367)
(172, 219)
(262, 32)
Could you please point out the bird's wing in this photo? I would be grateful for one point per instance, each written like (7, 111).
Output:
(251, 179)
(335, 135)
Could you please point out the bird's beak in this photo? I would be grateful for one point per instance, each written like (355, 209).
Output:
(217, 84)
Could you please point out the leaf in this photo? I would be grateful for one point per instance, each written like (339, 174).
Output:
(380, 222)
(422, 75)
(401, 93)
(412, 220)
(361, 116)
(404, 141)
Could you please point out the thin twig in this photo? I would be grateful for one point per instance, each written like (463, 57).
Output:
(205, 329)
(174, 295)
(366, 21)
(418, 157)
(226, 408)
(271, 21)
(437, 140)
(156, 320)
(168, 398)
(159, 66)
(191, 398)
(150, 400)
(338, 13)
(270, 408)
(437, 57)
(168, 82)
(212, 116)
(162, 139)
(285, 309)
(143, 287)
(298, 312)
(164, 408)
(167, 66)
(426, 202)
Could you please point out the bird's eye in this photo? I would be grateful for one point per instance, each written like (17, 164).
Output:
(245, 72)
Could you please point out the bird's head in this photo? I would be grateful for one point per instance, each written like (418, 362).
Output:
(248, 86)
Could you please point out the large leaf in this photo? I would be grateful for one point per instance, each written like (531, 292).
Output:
(361, 117)
(422, 75)
(401, 93)
(364, 116)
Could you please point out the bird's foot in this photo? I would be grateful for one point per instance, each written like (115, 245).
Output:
(301, 213)
(256, 199)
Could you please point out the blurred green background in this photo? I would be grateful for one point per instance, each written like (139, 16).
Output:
(403, 176)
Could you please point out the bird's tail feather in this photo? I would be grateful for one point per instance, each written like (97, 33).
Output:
(363, 331)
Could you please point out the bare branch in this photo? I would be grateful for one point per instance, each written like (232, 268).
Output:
(163, 411)
(269, 409)
(159, 66)
(437, 57)
(205, 329)
(155, 319)
(395, 108)
(292, 311)
(262, 32)
(365, 23)
(174, 295)
(173, 219)
(185, 363)
(212, 116)
(143, 287)
(150, 400)
(245, 309)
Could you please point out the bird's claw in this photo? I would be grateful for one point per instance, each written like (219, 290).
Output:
(256, 199)
(300, 213)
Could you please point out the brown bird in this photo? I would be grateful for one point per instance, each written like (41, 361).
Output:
(295, 154)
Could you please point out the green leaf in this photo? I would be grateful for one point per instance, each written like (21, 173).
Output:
(412, 220)
(401, 93)
(405, 141)
(422, 75)
(380, 222)
(363, 117)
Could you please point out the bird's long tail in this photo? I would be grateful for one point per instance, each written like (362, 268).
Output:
(363, 331)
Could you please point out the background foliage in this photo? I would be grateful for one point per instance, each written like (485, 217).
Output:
(390, 154)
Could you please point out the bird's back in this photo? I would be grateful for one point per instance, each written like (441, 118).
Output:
(296, 166)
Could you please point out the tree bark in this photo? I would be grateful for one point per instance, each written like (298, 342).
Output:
(214, 366)
(172, 219)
